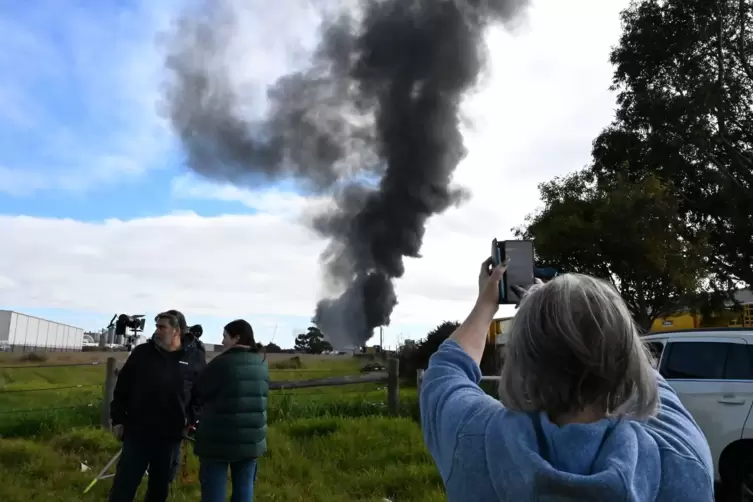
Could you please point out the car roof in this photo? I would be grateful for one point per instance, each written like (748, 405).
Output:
(701, 333)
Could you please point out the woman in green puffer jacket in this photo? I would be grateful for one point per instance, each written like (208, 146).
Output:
(232, 433)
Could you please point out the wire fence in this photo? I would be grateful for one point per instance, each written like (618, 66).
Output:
(50, 409)
(29, 348)
(33, 389)
(40, 389)
(26, 396)
(37, 366)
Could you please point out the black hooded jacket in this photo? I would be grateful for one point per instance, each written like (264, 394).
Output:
(155, 394)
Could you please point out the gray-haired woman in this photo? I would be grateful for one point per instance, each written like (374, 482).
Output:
(583, 415)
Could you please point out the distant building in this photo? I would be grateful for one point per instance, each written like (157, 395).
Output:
(744, 296)
(21, 332)
(94, 335)
(690, 320)
(498, 331)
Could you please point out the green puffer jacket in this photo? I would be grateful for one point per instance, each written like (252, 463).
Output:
(233, 396)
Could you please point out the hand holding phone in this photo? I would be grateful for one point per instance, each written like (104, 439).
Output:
(488, 279)
(519, 273)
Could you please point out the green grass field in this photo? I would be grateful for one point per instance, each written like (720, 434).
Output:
(311, 460)
(331, 443)
(41, 398)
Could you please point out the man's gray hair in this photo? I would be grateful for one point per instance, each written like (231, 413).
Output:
(175, 318)
(573, 344)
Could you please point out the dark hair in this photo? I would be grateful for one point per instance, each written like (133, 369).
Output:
(175, 318)
(243, 331)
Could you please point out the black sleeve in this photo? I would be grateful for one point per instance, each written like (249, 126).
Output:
(123, 388)
(194, 405)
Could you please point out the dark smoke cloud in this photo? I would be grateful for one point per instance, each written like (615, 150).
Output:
(374, 121)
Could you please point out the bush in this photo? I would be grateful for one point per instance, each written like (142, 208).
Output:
(373, 367)
(33, 357)
(294, 363)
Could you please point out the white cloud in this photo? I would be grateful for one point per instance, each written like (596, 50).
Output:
(269, 199)
(544, 100)
(257, 265)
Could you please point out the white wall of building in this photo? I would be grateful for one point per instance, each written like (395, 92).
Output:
(5, 316)
(26, 332)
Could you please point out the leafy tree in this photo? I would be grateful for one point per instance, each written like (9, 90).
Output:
(272, 348)
(627, 233)
(684, 77)
(312, 342)
(416, 356)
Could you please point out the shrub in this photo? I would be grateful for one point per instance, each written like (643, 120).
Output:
(33, 357)
(294, 363)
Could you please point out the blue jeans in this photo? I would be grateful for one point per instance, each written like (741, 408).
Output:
(213, 477)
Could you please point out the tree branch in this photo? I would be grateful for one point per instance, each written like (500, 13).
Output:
(720, 116)
(741, 50)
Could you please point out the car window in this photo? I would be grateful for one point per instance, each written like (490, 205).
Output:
(739, 362)
(656, 349)
(695, 360)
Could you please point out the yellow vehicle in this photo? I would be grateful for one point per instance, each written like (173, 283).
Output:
(672, 322)
(496, 331)
(688, 320)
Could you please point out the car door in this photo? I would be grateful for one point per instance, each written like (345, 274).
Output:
(748, 429)
(712, 378)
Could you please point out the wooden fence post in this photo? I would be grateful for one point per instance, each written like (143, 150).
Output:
(393, 386)
(109, 389)
(419, 379)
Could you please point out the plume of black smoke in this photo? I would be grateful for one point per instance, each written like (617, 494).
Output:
(374, 121)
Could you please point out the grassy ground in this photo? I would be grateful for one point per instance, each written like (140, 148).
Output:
(312, 460)
(39, 398)
(326, 444)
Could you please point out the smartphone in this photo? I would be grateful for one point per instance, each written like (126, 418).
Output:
(498, 257)
(519, 275)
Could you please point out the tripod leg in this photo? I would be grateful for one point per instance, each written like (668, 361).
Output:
(103, 471)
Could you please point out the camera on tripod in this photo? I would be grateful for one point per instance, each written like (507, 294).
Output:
(132, 322)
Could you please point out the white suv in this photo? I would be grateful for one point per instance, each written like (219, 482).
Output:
(712, 372)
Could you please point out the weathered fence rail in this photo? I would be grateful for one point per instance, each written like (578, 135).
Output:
(486, 378)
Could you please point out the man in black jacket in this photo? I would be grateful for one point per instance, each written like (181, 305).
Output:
(154, 401)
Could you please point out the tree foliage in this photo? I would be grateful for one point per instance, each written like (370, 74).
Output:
(417, 357)
(684, 77)
(626, 233)
(312, 342)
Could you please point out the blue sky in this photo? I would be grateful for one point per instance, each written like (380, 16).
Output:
(100, 215)
(65, 108)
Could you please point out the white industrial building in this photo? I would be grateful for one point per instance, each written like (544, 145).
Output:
(24, 333)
